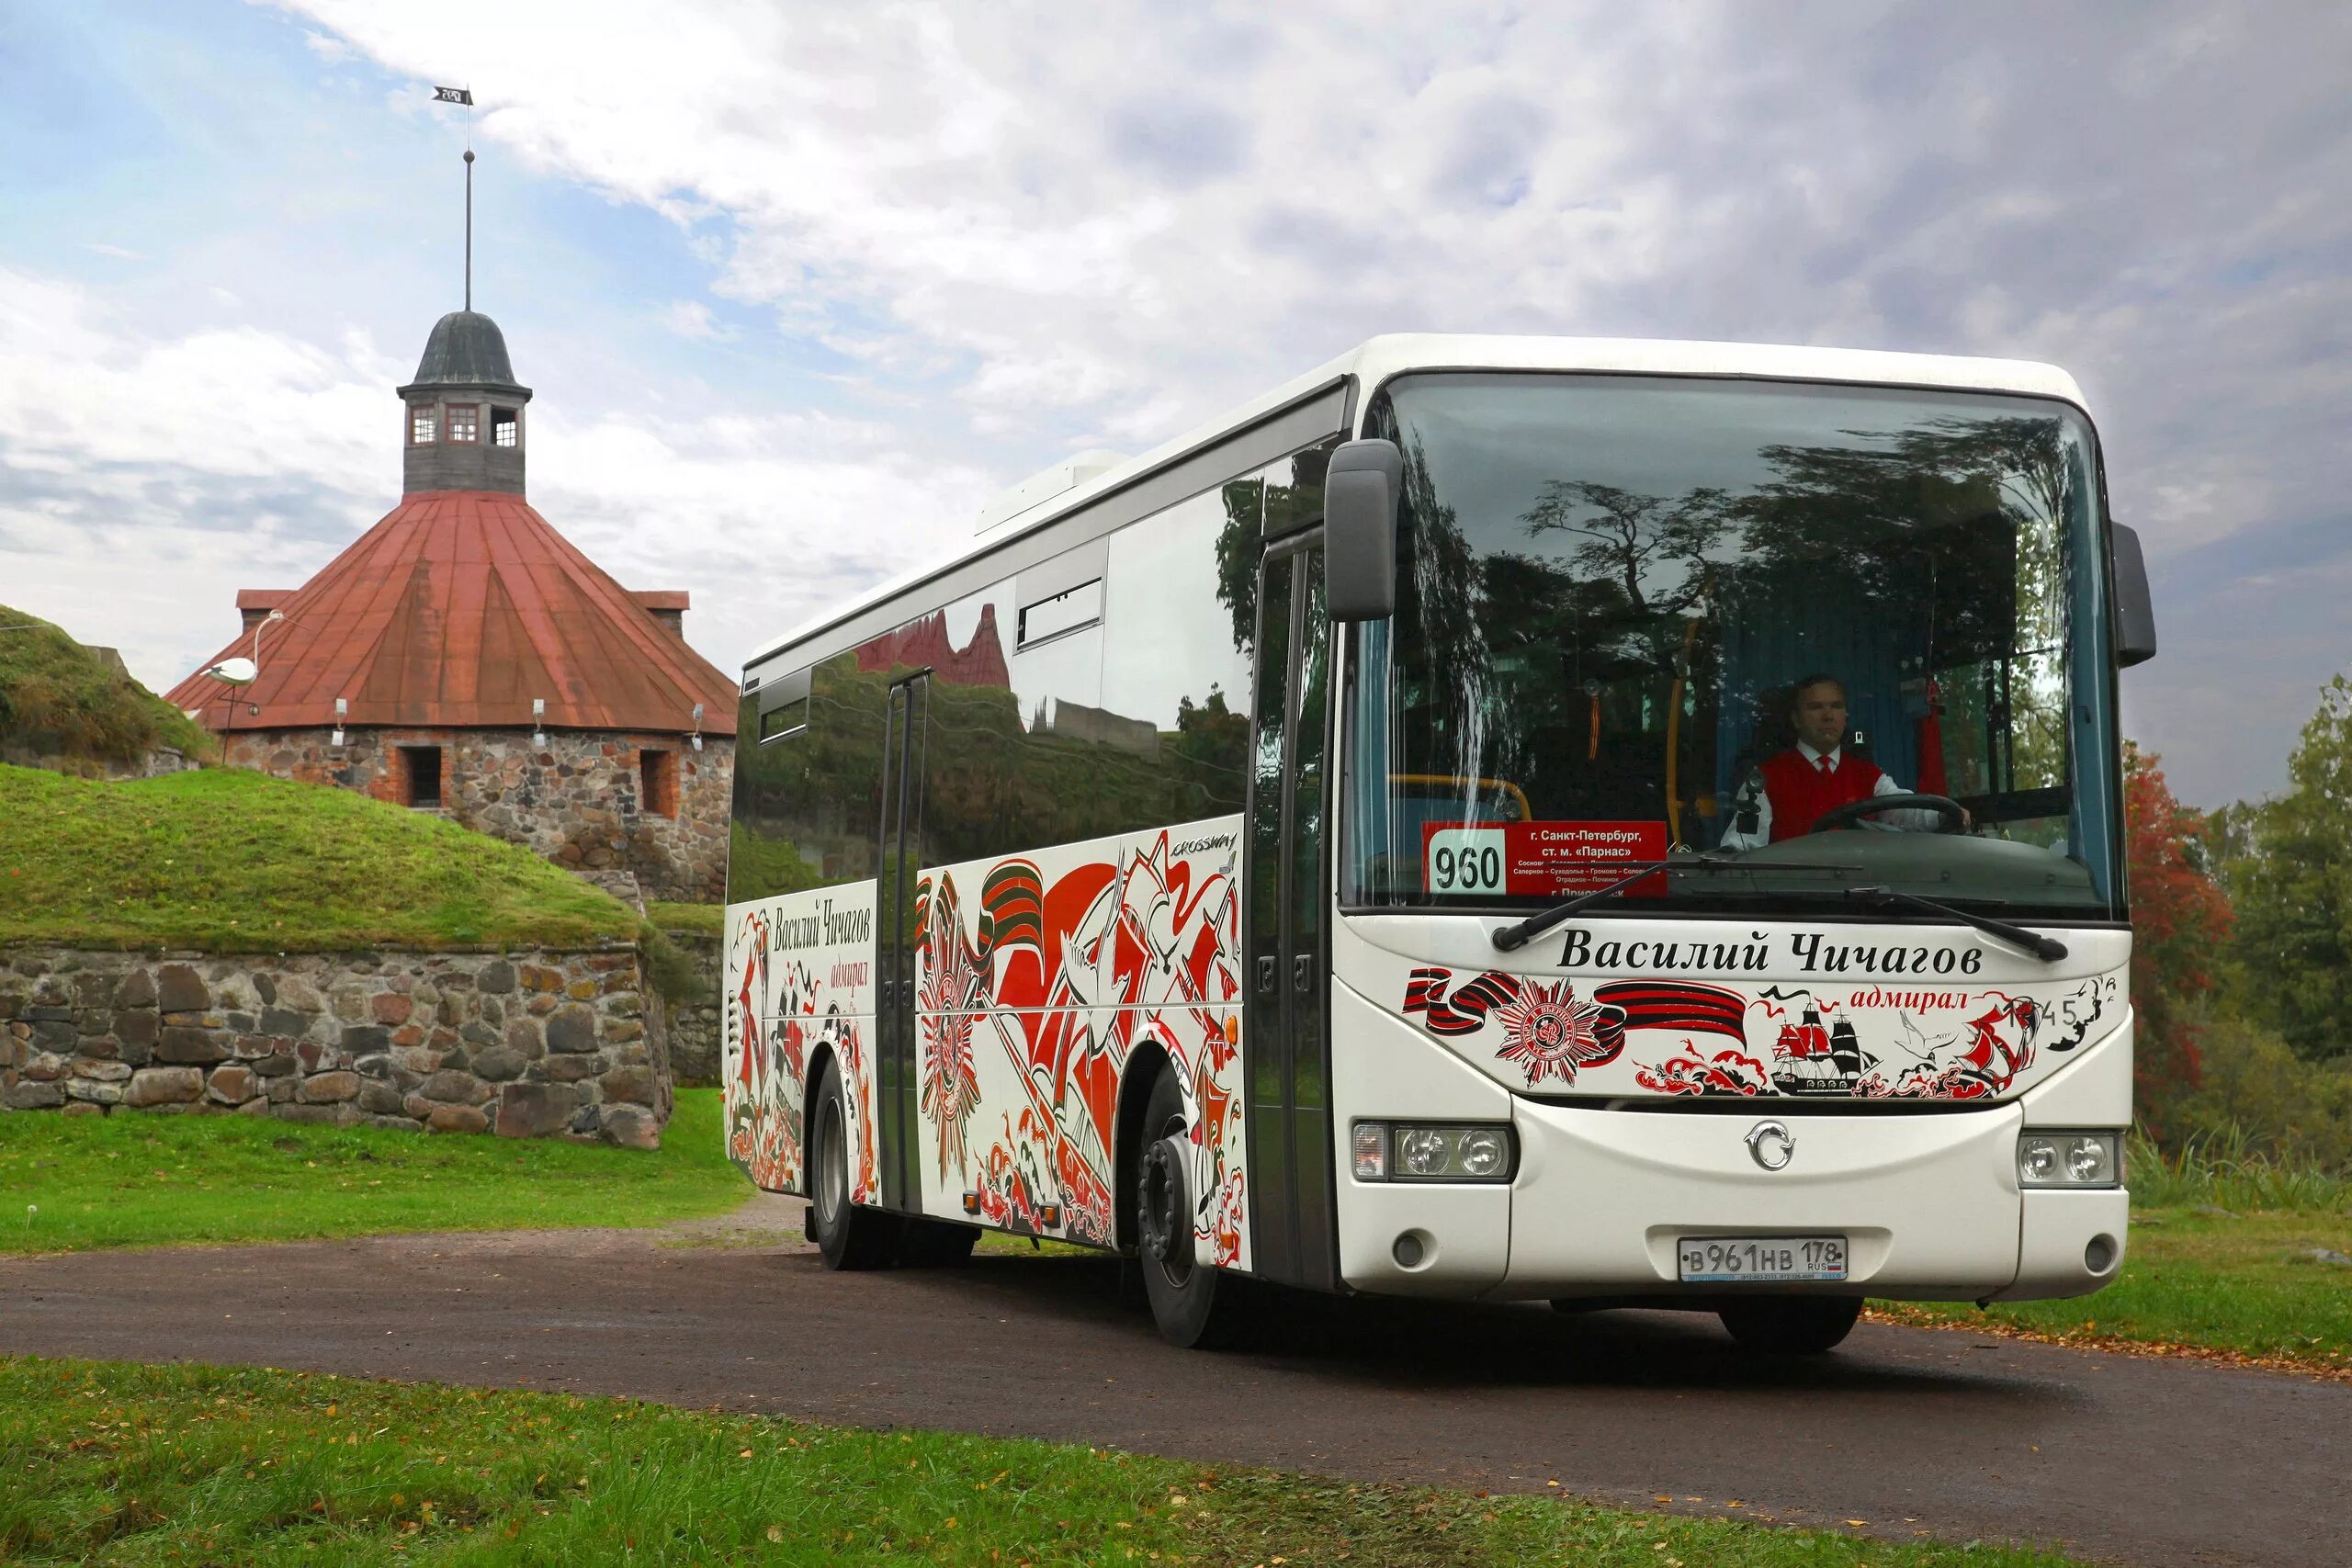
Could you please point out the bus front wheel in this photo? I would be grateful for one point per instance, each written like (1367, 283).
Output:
(1792, 1326)
(1196, 1306)
(849, 1236)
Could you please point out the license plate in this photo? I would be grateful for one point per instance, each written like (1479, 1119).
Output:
(1759, 1259)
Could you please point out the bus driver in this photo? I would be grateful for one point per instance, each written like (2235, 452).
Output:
(1786, 793)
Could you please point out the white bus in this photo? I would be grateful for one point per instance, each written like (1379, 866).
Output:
(1517, 818)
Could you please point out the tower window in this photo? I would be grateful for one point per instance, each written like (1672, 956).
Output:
(420, 424)
(421, 775)
(505, 430)
(657, 783)
(465, 422)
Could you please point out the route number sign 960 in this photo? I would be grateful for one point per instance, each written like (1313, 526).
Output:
(1466, 860)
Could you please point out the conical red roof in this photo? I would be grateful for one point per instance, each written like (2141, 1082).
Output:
(458, 609)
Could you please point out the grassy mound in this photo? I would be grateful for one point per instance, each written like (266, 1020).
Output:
(694, 919)
(76, 1183)
(236, 861)
(57, 699)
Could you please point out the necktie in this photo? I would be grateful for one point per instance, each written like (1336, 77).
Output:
(1822, 764)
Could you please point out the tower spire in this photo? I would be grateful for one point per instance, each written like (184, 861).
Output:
(469, 228)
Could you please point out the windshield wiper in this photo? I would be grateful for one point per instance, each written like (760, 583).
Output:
(2049, 949)
(1518, 936)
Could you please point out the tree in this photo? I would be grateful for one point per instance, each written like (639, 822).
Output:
(1627, 534)
(2180, 920)
(2294, 892)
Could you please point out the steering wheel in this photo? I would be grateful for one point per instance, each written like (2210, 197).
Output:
(1955, 815)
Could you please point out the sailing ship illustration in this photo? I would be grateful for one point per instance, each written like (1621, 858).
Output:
(1809, 1058)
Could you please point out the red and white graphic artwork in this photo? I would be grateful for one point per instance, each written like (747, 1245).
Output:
(778, 1016)
(1693, 1070)
(951, 989)
(762, 1111)
(1036, 1002)
(1547, 1031)
(1851, 1042)
(1978, 1059)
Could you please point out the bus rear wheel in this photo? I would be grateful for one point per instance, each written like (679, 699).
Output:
(1790, 1326)
(1197, 1306)
(849, 1236)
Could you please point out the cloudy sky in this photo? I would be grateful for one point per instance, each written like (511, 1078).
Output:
(800, 286)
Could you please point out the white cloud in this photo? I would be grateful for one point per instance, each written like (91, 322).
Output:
(148, 478)
(692, 319)
(768, 521)
(81, 394)
(1031, 229)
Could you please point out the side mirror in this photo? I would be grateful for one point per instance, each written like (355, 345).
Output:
(2135, 613)
(1360, 494)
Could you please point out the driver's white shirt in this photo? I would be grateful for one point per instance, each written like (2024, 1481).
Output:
(1753, 792)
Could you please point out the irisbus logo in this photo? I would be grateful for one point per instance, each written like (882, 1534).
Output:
(1771, 1146)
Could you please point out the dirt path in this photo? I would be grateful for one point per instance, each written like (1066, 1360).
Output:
(1912, 1430)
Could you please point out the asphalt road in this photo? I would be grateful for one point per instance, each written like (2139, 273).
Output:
(1914, 1431)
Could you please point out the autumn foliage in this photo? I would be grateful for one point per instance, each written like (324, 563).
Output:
(2180, 920)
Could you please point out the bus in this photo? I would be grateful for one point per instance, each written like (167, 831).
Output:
(1608, 823)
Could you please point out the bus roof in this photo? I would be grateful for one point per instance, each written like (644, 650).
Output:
(1377, 359)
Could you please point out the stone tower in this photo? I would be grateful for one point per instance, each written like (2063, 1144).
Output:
(462, 656)
(463, 414)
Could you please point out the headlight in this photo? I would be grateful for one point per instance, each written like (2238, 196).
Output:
(1424, 1151)
(2069, 1159)
(1484, 1151)
(1384, 1151)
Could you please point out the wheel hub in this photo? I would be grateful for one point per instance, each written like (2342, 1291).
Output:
(1162, 1210)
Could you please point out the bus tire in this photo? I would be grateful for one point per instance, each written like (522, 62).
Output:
(849, 1236)
(1197, 1306)
(1790, 1326)
(937, 1243)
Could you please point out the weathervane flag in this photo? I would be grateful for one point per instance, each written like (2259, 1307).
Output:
(454, 96)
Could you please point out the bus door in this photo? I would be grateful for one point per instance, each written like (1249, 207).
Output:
(897, 859)
(1287, 1041)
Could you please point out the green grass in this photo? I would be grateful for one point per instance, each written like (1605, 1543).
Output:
(2230, 1172)
(58, 700)
(2217, 1264)
(237, 862)
(2226, 1283)
(149, 1465)
(699, 920)
(132, 1180)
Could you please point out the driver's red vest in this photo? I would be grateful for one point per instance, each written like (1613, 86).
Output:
(1800, 792)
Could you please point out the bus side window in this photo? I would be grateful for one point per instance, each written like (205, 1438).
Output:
(806, 740)
(1175, 668)
(1008, 755)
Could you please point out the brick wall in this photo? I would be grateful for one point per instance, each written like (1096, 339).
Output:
(576, 800)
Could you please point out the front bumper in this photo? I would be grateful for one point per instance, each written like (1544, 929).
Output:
(1929, 1206)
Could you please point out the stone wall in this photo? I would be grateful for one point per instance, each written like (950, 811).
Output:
(694, 1020)
(525, 1044)
(575, 800)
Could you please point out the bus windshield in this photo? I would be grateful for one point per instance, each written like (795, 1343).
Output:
(1639, 618)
